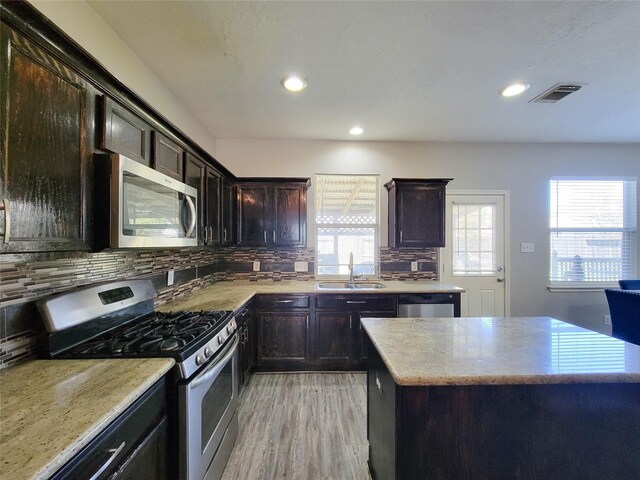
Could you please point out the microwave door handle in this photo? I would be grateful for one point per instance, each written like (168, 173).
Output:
(192, 222)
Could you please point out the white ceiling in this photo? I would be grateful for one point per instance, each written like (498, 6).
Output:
(407, 71)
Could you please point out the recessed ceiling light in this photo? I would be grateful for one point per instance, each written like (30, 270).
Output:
(293, 83)
(514, 89)
(356, 131)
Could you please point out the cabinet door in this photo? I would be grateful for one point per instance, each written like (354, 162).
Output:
(149, 459)
(167, 156)
(253, 215)
(125, 133)
(290, 215)
(283, 339)
(363, 351)
(46, 142)
(213, 189)
(420, 215)
(334, 339)
(194, 176)
(228, 213)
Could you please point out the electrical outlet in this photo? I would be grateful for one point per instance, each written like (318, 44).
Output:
(414, 266)
(607, 319)
(256, 265)
(301, 267)
(170, 274)
(526, 247)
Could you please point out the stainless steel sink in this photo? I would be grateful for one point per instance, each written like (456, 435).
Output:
(367, 285)
(350, 286)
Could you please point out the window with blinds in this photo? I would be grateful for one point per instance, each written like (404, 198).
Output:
(593, 225)
(346, 222)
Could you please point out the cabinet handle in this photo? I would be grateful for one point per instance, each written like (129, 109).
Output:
(350, 322)
(7, 220)
(211, 234)
(265, 236)
(274, 236)
(307, 322)
(354, 301)
(400, 236)
(283, 301)
(114, 453)
(224, 235)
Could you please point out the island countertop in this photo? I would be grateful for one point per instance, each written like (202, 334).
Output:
(232, 295)
(499, 351)
(51, 409)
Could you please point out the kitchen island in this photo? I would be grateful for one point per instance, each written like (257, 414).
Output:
(516, 398)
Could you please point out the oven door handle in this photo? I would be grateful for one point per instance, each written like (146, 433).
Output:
(216, 367)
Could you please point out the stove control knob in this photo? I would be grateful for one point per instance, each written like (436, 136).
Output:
(234, 325)
(220, 339)
(207, 352)
(229, 329)
(199, 360)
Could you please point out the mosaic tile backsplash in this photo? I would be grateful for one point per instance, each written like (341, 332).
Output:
(25, 278)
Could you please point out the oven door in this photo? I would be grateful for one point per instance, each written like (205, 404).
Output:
(207, 404)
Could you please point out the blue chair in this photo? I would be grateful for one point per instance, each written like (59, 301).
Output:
(629, 284)
(624, 306)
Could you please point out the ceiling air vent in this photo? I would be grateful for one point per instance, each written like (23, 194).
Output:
(557, 92)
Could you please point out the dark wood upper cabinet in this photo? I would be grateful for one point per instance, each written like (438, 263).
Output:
(228, 207)
(253, 214)
(417, 212)
(46, 144)
(167, 156)
(208, 181)
(290, 214)
(213, 184)
(272, 213)
(124, 133)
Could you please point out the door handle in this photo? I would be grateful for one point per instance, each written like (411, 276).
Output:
(7, 219)
(114, 453)
(192, 221)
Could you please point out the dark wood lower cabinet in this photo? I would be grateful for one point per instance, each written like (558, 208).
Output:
(316, 332)
(283, 340)
(528, 432)
(247, 334)
(334, 339)
(134, 446)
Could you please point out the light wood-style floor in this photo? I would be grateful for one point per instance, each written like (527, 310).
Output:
(302, 426)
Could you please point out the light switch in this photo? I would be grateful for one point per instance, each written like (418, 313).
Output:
(414, 266)
(170, 277)
(256, 265)
(526, 247)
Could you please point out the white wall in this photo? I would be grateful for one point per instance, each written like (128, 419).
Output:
(523, 169)
(88, 29)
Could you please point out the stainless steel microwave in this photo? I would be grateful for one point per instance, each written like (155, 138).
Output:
(138, 207)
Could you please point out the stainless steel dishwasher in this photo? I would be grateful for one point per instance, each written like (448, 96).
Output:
(429, 305)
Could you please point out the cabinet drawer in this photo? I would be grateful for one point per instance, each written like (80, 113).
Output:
(119, 441)
(283, 301)
(358, 302)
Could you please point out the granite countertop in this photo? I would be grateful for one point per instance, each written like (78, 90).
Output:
(51, 409)
(499, 351)
(232, 295)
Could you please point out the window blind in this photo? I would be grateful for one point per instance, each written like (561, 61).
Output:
(593, 225)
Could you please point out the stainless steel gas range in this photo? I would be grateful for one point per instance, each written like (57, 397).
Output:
(117, 320)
